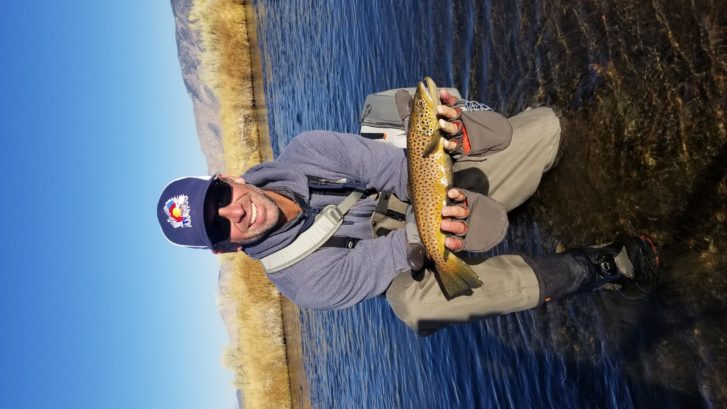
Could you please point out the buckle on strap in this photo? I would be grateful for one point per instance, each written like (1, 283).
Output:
(333, 213)
(326, 224)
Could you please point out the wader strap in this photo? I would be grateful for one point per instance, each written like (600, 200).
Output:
(389, 215)
(326, 224)
(341, 242)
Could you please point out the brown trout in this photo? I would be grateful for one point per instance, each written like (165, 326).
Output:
(430, 176)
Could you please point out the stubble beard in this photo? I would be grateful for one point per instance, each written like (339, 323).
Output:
(270, 223)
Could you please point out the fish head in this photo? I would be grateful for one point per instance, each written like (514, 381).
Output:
(427, 96)
(423, 123)
(433, 91)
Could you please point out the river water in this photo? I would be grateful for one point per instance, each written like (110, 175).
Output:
(640, 87)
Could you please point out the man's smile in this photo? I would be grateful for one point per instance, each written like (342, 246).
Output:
(254, 213)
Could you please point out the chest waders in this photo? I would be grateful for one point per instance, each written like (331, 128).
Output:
(389, 215)
(380, 118)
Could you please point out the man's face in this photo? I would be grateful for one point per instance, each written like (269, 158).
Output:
(251, 213)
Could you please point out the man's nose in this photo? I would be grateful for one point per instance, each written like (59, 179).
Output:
(234, 212)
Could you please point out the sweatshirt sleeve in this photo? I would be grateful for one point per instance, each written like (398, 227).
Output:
(334, 278)
(380, 165)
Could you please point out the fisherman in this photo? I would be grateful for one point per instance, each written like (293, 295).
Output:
(329, 220)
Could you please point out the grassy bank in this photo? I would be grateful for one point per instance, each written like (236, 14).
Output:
(258, 358)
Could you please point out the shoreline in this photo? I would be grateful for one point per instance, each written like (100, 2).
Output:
(299, 390)
(298, 382)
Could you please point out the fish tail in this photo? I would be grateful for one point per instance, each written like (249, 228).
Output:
(468, 275)
(460, 277)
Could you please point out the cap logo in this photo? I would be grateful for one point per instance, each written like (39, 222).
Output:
(177, 211)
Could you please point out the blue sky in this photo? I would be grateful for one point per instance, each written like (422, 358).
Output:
(98, 310)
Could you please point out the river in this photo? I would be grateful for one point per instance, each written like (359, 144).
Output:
(640, 88)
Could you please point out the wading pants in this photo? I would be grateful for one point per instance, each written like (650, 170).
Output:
(510, 284)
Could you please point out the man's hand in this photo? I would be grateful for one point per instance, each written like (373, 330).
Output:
(486, 217)
(454, 220)
(454, 215)
(453, 223)
(448, 115)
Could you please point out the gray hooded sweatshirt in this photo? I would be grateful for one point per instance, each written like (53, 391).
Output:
(333, 278)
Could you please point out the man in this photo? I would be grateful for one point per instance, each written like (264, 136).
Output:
(270, 213)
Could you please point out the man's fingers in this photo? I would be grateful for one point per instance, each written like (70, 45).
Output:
(457, 227)
(454, 243)
(456, 212)
(446, 97)
(456, 195)
(450, 146)
(448, 127)
(447, 112)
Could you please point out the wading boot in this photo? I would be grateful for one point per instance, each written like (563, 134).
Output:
(628, 266)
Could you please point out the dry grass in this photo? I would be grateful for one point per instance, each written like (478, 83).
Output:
(227, 69)
(258, 357)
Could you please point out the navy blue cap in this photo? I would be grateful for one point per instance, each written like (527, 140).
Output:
(180, 211)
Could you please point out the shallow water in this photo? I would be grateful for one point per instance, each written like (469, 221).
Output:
(641, 92)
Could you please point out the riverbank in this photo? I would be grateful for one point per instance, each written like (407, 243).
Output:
(264, 352)
(299, 389)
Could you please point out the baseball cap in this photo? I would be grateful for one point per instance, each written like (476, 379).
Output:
(181, 212)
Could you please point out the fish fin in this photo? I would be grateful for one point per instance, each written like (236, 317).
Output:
(469, 276)
(451, 284)
(431, 146)
(461, 281)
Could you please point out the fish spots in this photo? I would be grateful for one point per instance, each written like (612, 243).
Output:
(430, 174)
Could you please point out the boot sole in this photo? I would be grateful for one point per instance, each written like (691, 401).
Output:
(640, 292)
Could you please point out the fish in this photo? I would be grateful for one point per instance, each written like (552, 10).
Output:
(430, 177)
